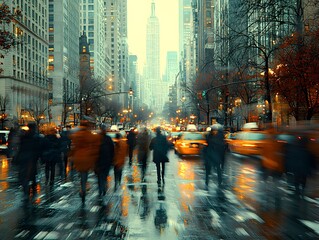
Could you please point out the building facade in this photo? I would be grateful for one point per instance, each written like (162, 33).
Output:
(63, 59)
(24, 80)
(152, 68)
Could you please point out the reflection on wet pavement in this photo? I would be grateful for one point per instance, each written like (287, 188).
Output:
(246, 206)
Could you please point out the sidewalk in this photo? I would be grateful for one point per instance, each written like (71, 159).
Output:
(56, 212)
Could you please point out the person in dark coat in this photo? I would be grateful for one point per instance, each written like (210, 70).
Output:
(65, 148)
(104, 161)
(160, 146)
(131, 141)
(214, 153)
(30, 150)
(53, 154)
(300, 162)
(142, 142)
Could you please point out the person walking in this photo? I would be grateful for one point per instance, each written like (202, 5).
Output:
(104, 161)
(120, 153)
(160, 146)
(214, 153)
(52, 154)
(300, 162)
(29, 151)
(131, 141)
(65, 148)
(84, 152)
(142, 142)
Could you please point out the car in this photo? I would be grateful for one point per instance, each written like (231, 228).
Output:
(190, 143)
(112, 134)
(172, 137)
(4, 134)
(248, 143)
(191, 127)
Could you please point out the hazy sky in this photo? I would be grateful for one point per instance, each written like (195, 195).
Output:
(138, 13)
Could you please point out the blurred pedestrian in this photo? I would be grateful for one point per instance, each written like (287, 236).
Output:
(84, 152)
(300, 162)
(51, 154)
(65, 148)
(214, 153)
(13, 142)
(143, 142)
(131, 141)
(104, 161)
(160, 146)
(30, 150)
(120, 153)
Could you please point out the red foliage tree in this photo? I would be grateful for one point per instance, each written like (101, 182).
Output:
(7, 38)
(296, 77)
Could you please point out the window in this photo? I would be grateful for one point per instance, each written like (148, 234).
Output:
(91, 34)
(51, 58)
(91, 21)
(91, 28)
(91, 7)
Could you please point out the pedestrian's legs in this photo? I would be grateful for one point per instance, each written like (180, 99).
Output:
(47, 171)
(163, 172)
(158, 170)
(116, 177)
(61, 167)
(143, 168)
(84, 178)
(65, 161)
(207, 172)
(52, 169)
(24, 183)
(102, 183)
(297, 183)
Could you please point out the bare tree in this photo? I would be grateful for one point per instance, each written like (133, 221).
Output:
(4, 102)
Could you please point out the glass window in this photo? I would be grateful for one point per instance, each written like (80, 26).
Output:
(194, 136)
(91, 28)
(91, 15)
(91, 34)
(91, 7)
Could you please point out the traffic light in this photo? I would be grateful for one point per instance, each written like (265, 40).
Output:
(199, 95)
(204, 93)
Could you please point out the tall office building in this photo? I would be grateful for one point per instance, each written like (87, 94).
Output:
(152, 77)
(92, 22)
(171, 67)
(187, 48)
(24, 79)
(116, 40)
(64, 59)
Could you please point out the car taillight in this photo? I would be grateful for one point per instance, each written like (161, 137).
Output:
(249, 145)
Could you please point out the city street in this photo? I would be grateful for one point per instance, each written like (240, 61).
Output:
(245, 207)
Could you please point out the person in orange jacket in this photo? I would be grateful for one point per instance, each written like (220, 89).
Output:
(120, 153)
(84, 153)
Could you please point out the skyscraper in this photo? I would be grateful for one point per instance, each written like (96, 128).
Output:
(152, 72)
(63, 58)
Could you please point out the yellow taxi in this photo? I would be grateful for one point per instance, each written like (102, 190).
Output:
(190, 143)
(247, 143)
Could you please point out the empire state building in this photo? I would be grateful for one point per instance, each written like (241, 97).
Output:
(152, 73)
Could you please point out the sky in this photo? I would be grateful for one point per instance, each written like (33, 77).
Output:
(138, 13)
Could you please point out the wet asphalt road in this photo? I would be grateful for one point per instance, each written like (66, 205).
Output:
(245, 207)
